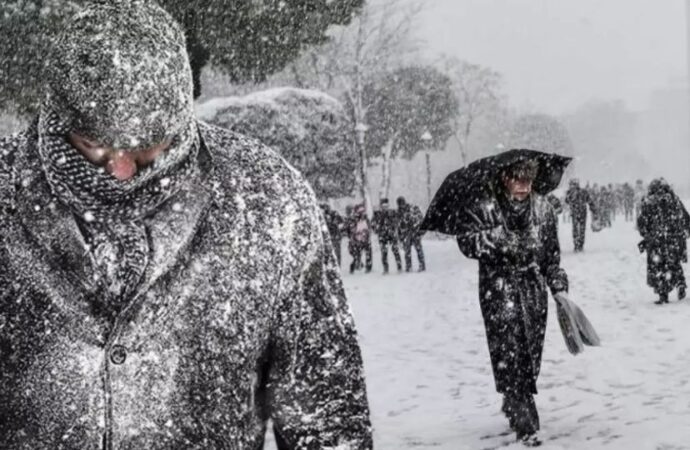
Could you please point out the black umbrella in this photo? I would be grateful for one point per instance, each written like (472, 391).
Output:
(462, 188)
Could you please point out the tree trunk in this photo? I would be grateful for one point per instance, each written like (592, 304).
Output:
(427, 156)
(390, 177)
(386, 153)
(199, 55)
(360, 117)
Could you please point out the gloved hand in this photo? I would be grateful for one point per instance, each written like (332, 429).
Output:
(520, 248)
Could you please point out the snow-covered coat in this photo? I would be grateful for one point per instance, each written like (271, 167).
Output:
(517, 263)
(241, 317)
(664, 225)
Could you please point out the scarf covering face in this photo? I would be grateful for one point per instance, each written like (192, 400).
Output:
(119, 76)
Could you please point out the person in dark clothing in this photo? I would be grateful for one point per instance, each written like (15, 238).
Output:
(386, 226)
(359, 233)
(164, 283)
(664, 225)
(410, 217)
(335, 224)
(628, 199)
(515, 238)
(606, 206)
(578, 199)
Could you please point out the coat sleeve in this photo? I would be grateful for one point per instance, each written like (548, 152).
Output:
(556, 278)
(642, 221)
(479, 237)
(316, 392)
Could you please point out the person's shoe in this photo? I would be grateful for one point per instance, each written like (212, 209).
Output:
(663, 298)
(681, 293)
(385, 271)
(422, 269)
(530, 440)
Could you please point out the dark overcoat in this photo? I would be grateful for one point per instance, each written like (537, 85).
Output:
(513, 279)
(664, 225)
(241, 317)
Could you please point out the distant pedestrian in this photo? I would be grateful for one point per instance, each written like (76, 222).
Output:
(578, 200)
(359, 233)
(386, 227)
(410, 219)
(664, 225)
(335, 224)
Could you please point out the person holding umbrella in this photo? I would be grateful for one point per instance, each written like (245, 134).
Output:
(497, 209)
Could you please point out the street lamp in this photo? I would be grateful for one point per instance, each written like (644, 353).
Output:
(360, 130)
(426, 138)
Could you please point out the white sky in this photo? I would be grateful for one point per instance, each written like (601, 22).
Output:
(557, 54)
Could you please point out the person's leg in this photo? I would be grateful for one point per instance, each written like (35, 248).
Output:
(576, 232)
(337, 244)
(383, 244)
(420, 253)
(407, 249)
(356, 251)
(368, 256)
(679, 278)
(396, 254)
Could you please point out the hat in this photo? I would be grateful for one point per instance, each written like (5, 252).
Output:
(523, 170)
(120, 74)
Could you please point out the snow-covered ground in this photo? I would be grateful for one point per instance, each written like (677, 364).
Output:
(427, 364)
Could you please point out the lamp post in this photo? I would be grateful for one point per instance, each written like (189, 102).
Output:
(426, 139)
(360, 132)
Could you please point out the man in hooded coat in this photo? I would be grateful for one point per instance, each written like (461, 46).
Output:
(578, 200)
(664, 225)
(514, 236)
(164, 284)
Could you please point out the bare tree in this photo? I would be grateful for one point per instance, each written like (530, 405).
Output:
(377, 41)
(478, 90)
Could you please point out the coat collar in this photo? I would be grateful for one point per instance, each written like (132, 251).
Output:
(56, 239)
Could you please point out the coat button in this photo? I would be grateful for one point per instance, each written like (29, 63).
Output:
(118, 354)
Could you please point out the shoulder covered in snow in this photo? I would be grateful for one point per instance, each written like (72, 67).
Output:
(255, 178)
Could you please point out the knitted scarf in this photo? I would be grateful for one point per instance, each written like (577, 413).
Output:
(112, 213)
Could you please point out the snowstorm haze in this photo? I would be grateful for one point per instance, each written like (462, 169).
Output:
(614, 72)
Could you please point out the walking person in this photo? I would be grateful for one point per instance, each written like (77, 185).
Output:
(640, 193)
(410, 217)
(513, 231)
(628, 194)
(664, 225)
(578, 200)
(164, 284)
(359, 233)
(335, 224)
(386, 227)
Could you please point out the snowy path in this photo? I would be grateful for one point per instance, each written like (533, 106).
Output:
(428, 371)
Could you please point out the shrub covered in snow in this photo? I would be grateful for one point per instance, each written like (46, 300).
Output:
(308, 128)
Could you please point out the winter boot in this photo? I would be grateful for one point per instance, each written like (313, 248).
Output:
(525, 419)
(663, 298)
(530, 440)
(507, 410)
(681, 292)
